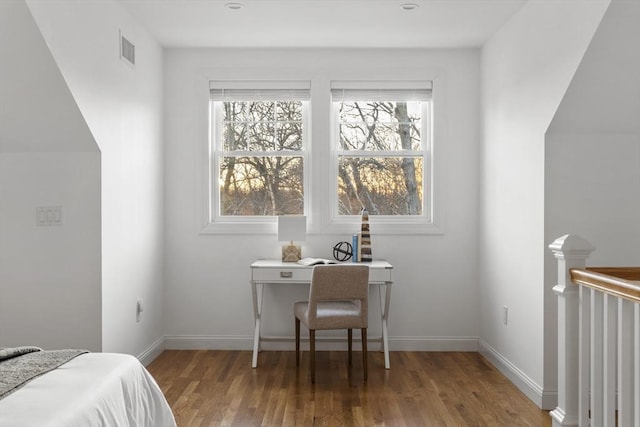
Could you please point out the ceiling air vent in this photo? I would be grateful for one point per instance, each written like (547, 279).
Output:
(127, 50)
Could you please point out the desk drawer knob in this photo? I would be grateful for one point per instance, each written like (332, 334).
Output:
(286, 274)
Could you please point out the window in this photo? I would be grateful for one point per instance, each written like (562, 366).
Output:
(382, 137)
(259, 142)
(371, 145)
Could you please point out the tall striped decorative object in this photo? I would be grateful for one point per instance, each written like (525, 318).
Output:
(365, 248)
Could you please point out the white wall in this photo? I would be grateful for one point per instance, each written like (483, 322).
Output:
(593, 190)
(50, 276)
(434, 301)
(50, 292)
(526, 68)
(122, 106)
(593, 144)
(34, 99)
(597, 131)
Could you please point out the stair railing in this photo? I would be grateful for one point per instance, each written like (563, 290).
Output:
(598, 340)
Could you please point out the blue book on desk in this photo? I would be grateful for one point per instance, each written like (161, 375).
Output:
(354, 244)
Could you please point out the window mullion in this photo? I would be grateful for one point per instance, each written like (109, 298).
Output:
(280, 153)
(372, 153)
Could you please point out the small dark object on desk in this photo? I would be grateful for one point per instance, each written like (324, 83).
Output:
(343, 251)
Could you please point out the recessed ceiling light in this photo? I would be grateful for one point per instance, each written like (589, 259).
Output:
(409, 6)
(234, 6)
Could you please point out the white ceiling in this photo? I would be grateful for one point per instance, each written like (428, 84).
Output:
(322, 23)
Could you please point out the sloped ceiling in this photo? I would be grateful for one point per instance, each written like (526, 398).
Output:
(604, 93)
(37, 111)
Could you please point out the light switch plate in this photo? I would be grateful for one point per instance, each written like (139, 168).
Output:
(48, 216)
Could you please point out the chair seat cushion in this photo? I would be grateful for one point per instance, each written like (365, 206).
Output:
(331, 315)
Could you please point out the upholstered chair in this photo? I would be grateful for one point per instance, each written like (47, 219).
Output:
(338, 299)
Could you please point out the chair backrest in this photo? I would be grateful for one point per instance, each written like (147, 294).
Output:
(339, 282)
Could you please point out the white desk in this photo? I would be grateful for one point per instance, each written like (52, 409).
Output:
(275, 272)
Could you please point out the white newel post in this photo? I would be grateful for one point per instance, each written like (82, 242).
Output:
(571, 252)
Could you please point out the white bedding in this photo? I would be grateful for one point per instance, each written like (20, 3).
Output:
(93, 389)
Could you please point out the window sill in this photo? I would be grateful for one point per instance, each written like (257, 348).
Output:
(343, 228)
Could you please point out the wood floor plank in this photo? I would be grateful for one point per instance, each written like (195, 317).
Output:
(219, 388)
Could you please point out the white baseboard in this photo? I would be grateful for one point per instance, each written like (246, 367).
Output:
(153, 351)
(207, 342)
(543, 399)
(212, 342)
(433, 344)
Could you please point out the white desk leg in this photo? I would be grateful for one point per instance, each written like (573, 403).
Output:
(381, 316)
(384, 310)
(256, 290)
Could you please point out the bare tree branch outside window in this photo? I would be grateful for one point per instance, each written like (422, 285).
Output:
(380, 158)
(262, 170)
(379, 166)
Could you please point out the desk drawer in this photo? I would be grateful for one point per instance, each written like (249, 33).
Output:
(281, 274)
(377, 275)
(297, 274)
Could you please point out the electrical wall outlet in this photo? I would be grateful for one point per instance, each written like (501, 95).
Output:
(139, 310)
(505, 315)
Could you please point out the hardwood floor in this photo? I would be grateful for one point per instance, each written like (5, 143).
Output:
(219, 388)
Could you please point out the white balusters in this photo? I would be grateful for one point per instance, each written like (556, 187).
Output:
(584, 356)
(625, 362)
(609, 352)
(636, 364)
(598, 342)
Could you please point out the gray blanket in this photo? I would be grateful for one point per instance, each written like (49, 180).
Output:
(19, 365)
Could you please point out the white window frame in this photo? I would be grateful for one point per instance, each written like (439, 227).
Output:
(387, 224)
(267, 90)
(320, 188)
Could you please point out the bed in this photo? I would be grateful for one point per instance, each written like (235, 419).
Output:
(88, 389)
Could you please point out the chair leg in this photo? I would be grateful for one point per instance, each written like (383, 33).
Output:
(297, 342)
(349, 341)
(312, 354)
(364, 352)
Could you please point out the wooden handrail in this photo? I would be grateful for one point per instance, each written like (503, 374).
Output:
(622, 282)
